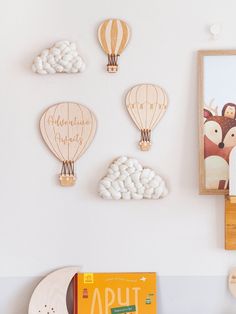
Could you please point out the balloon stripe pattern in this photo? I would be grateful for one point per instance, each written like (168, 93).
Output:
(125, 38)
(102, 36)
(113, 36)
(68, 129)
(146, 104)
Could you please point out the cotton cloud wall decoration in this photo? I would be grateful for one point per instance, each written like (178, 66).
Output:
(62, 57)
(127, 179)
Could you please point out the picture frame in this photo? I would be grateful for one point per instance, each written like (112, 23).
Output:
(217, 118)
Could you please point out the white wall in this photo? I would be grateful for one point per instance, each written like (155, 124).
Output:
(44, 226)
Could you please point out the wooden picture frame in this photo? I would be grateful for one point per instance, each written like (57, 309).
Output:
(217, 113)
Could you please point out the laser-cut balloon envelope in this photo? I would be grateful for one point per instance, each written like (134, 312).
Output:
(146, 104)
(113, 36)
(68, 129)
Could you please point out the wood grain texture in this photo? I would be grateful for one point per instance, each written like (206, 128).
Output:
(232, 282)
(202, 174)
(68, 129)
(146, 105)
(230, 224)
(113, 35)
(232, 175)
(49, 297)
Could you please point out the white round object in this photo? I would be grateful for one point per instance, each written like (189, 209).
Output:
(215, 29)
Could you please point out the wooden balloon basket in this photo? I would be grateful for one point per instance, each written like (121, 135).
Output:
(112, 66)
(67, 176)
(145, 142)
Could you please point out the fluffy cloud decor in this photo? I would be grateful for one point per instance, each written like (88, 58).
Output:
(127, 179)
(62, 57)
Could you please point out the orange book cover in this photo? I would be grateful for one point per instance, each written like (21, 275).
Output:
(115, 293)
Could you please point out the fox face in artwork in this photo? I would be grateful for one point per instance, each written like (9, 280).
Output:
(221, 131)
(219, 139)
(220, 136)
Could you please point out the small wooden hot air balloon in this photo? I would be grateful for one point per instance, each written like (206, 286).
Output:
(146, 104)
(68, 129)
(113, 35)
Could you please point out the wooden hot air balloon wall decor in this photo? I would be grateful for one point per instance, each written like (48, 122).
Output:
(113, 36)
(146, 104)
(68, 129)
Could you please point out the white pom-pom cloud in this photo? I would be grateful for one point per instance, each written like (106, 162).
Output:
(62, 57)
(127, 179)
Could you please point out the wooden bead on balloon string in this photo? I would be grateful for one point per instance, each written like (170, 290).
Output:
(68, 129)
(146, 104)
(113, 36)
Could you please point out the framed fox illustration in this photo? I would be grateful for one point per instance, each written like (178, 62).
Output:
(217, 118)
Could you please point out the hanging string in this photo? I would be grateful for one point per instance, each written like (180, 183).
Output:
(145, 135)
(67, 168)
(112, 60)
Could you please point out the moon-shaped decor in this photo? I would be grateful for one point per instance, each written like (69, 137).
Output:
(49, 297)
(146, 104)
(68, 129)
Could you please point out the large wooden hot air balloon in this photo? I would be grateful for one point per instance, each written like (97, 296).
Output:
(146, 104)
(113, 35)
(68, 129)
